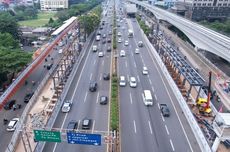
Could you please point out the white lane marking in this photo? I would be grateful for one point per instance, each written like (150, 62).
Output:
(94, 62)
(97, 97)
(126, 65)
(142, 60)
(170, 99)
(158, 105)
(172, 145)
(135, 65)
(91, 76)
(103, 63)
(153, 89)
(131, 100)
(134, 124)
(162, 117)
(101, 77)
(78, 126)
(128, 78)
(150, 127)
(75, 90)
(93, 126)
(155, 96)
(138, 78)
(150, 81)
(85, 96)
(166, 128)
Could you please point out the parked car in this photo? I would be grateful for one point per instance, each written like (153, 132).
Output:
(165, 110)
(86, 123)
(72, 126)
(28, 97)
(93, 86)
(66, 106)
(12, 124)
(9, 104)
(103, 100)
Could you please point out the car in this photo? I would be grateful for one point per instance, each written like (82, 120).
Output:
(119, 34)
(86, 123)
(165, 110)
(122, 53)
(140, 44)
(104, 36)
(122, 81)
(9, 104)
(119, 40)
(110, 32)
(49, 66)
(66, 106)
(137, 51)
(101, 27)
(12, 124)
(72, 126)
(126, 43)
(94, 48)
(93, 86)
(132, 82)
(103, 100)
(60, 51)
(145, 70)
(109, 49)
(109, 40)
(103, 41)
(100, 54)
(106, 76)
(28, 97)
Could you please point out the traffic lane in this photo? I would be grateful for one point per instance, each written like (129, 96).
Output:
(167, 100)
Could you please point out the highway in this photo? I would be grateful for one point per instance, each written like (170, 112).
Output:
(37, 75)
(200, 36)
(144, 128)
(86, 103)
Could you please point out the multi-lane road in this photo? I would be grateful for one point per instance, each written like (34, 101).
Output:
(144, 128)
(86, 103)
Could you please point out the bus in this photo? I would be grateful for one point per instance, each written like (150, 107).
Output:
(130, 33)
(147, 98)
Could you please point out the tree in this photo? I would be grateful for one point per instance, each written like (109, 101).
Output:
(7, 40)
(51, 20)
(8, 24)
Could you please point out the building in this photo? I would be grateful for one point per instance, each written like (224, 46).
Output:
(163, 3)
(131, 10)
(53, 5)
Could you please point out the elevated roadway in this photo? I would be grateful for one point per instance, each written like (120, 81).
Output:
(201, 36)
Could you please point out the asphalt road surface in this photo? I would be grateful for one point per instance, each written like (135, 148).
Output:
(86, 103)
(144, 128)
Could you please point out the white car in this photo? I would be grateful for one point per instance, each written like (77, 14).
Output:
(126, 43)
(133, 82)
(66, 106)
(145, 71)
(100, 54)
(12, 124)
(119, 34)
(122, 81)
(137, 51)
(122, 53)
(119, 40)
(60, 51)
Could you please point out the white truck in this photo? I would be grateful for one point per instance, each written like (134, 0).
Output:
(94, 48)
(147, 98)
(98, 37)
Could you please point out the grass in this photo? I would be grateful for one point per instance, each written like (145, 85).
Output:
(114, 121)
(43, 18)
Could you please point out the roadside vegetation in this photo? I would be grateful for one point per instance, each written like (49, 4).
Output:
(114, 33)
(142, 24)
(222, 27)
(114, 119)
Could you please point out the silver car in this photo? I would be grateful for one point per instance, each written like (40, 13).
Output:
(66, 106)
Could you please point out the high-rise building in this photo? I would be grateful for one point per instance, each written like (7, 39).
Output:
(52, 5)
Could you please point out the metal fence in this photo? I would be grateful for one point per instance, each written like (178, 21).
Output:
(188, 114)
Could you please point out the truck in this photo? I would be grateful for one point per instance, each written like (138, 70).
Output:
(98, 37)
(130, 33)
(94, 48)
(147, 98)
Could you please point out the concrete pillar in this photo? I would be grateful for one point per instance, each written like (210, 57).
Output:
(216, 144)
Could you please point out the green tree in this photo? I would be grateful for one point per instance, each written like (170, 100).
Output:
(8, 24)
(7, 40)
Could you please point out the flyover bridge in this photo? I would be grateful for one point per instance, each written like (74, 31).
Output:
(201, 37)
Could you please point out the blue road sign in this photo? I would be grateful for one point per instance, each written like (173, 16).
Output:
(85, 139)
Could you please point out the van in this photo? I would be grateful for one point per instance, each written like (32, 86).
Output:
(122, 81)
(147, 98)
(94, 48)
(98, 37)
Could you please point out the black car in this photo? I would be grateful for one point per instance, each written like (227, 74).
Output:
(164, 110)
(93, 86)
(109, 40)
(86, 123)
(28, 97)
(49, 66)
(106, 76)
(72, 125)
(109, 49)
(9, 104)
(103, 100)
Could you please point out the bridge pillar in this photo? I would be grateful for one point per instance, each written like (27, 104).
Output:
(216, 144)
